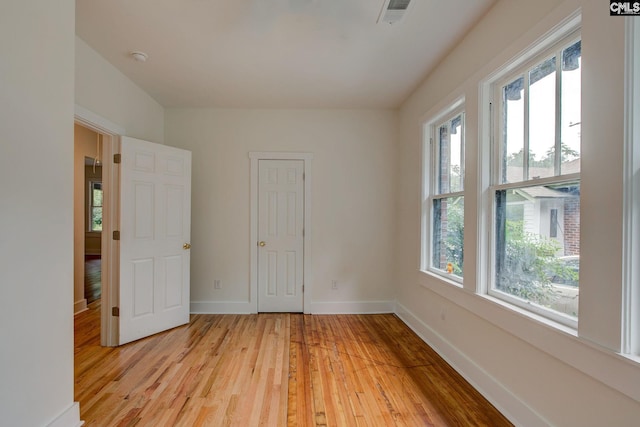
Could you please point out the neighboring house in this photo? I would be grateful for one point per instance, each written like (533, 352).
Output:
(552, 213)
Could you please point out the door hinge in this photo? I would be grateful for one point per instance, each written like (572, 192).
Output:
(115, 311)
(116, 235)
(117, 158)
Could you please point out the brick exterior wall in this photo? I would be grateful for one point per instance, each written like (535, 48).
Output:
(572, 226)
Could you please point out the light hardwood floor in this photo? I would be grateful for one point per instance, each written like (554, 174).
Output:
(273, 370)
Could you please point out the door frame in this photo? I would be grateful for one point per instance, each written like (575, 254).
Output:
(306, 158)
(110, 250)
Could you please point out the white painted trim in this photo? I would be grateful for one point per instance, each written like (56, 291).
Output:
(571, 23)
(69, 418)
(631, 200)
(96, 123)
(254, 157)
(506, 402)
(110, 325)
(222, 307)
(79, 306)
(351, 307)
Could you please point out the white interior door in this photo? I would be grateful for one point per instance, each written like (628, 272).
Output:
(155, 228)
(280, 235)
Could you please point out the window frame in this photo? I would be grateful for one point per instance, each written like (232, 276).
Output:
(631, 194)
(514, 69)
(509, 76)
(430, 193)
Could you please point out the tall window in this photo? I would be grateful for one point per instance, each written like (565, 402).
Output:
(445, 196)
(536, 183)
(95, 208)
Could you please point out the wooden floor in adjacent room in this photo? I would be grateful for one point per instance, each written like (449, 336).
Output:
(272, 370)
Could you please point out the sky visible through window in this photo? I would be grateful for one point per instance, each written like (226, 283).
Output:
(542, 117)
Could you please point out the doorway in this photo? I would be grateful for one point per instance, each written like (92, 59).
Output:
(280, 235)
(100, 142)
(280, 231)
(88, 201)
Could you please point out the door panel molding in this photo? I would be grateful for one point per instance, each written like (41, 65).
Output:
(255, 157)
(155, 209)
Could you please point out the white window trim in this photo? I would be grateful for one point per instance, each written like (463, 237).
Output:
(489, 177)
(631, 190)
(428, 188)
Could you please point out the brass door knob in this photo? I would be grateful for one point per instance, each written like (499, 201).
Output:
(262, 243)
(186, 246)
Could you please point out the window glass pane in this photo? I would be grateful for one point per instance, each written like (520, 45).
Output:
(96, 219)
(512, 160)
(450, 156)
(97, 194)
(96, 206)
(571, 113)
(448, 231)
(542, 119)
(456, 171)
(531, 264)
(444, 150)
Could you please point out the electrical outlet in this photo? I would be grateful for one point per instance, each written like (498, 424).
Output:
(334, 284)
(216, 284)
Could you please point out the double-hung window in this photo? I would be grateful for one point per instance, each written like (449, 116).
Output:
(443, 247)
(535, 183)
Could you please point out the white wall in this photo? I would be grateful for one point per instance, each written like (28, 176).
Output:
(36, 212)
(534, 372)
(353, 199)
(105, 91)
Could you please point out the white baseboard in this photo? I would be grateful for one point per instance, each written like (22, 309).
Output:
(69, 418)
(517, 411)
(80, 305)
(222, 307)
(348, 307)
(351, 307)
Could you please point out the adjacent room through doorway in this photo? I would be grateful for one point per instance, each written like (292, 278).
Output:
(88, 191)
(93, 230)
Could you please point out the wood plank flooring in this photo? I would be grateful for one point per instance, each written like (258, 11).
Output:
(92, 277)
(273, 370)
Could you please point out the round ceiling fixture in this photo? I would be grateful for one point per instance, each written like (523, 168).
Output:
(139, 56)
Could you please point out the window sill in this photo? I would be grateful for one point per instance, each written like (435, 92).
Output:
(523, 312)
(446, 278)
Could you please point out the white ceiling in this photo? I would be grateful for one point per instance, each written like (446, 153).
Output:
(275, 53)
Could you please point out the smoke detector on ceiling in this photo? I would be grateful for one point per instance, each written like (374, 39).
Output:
(393, 11)
(139, 56)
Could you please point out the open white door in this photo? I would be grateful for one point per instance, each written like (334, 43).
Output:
(155, 230)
